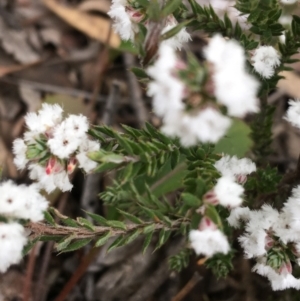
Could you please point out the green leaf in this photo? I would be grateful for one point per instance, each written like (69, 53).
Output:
(139, 72)
(105, 166)
(148, 229)
(117, 224)
(48, 217)
(76, 245)
(98, 218)
(147, 241)
(132, 236)
(131, 217)
(213, 214)
(170, 7)
(103, 239)
(117, 242)
(237, 141)
(163, 237)
(64, 243)
(190, 200)
(86, 223)
(69, 222)
(172, 32)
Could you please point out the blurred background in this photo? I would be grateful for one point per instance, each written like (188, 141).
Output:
(66, 52)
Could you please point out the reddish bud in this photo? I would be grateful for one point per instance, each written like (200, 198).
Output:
(53, 166)
(210, 198)
(286, 268)
(207, 224)
(72, 163)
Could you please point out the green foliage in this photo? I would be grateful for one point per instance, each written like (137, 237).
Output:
(220, 264)
(262, 133)
(263, 16)
(263, 181)
(236, 141)
(207, 20)
(180, 261)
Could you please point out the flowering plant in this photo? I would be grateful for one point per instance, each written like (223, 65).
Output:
(198, 101)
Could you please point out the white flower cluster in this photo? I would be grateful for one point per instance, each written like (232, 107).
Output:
(228, 192)
(267, 229)
(52, 147)
(265, 59)
(293, 113)
(208, 239)
(234, 88)
(126, 18)
(17, 202)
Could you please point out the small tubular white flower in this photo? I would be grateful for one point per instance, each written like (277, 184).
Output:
(209, 242)
(234, 87)
(208, 125)
(238, 168)
(237, 215)
(293, 113)
(12, 241)
(47, 118)
(84, 161)
(265, 59)
(51, 181)
(64, 142)
(76, 125)
(228, 193)
(22, 201)
(180, 38)
(166, 89)
(19, 150)
(254, 244)
(124, 16)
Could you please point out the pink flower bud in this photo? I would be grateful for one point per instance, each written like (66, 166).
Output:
(286, 268)
(241, 179)
(269, 242)
(207, 224)
(72, 163)
(135, 15)
(53, 166)
(210, 198)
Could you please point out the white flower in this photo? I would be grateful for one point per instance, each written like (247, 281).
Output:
(265, 59)
(234, 167)
(293, 113)
(22, 201)
(84, 161)
(124, 24)
(228, 193)
(180, 38)
(288, 2)
(12, 241)
(51, 181)
(234, 87)
(19, 150)
(209, 242)
(254, 244)
(208, 125)
(166, 89)
(278, 281)
(238, 214)
(64, 142)
(47, 118)
(76, 125)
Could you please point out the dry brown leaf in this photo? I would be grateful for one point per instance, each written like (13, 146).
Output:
(95, 27)
(290, 84)
(15, 42)
(95, 5)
